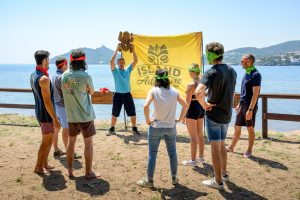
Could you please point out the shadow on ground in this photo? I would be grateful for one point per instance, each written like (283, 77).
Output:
(93, 187)
(179, 192)
(55, 181)
(239, 193)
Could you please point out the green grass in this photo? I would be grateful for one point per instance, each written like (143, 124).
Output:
(19, 179)
(297, 195)
(18, 120)
(257, 134)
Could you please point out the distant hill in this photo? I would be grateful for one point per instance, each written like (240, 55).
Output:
(100, 55)
(287, 53)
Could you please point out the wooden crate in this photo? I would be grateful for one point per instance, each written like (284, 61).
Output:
(102, 98)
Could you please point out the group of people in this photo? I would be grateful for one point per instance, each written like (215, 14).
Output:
(66, 103)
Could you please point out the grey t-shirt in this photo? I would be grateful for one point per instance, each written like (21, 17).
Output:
(165, 102)
(57, 92)
(220, 81)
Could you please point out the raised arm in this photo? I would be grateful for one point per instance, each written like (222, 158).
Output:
(113, 58)
(45, 89)
(135, 58)
(148, 101)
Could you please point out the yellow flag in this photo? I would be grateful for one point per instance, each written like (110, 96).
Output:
(173, 53)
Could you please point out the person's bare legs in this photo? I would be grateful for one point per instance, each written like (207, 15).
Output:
(223, 158)
(133, 121)
(70, 155)
(65, 137)
(42, 153)
(113, 120)
(88, 155)
(216, 159)
(45, 162)
(200, 136)
(236, 137)
(251, 133)
(55, 139)
(191, 125)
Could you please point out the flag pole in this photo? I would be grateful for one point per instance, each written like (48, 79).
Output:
(125, 120)
(202, 73)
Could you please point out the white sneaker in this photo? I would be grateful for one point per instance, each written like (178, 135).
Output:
(192, 163)
(143, 182)
(225, 178)
(200, 160)
(212, 183)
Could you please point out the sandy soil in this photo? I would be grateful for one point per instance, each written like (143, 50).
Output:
(272, 173)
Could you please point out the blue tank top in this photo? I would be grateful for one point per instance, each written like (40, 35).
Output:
(40, 110)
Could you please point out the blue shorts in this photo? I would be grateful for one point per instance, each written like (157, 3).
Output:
(215, 131)
(61, 115)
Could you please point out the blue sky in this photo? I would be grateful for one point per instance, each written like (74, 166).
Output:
(61, 25)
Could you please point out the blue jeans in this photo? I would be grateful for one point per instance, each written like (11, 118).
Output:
(216, 131)
(154, 137)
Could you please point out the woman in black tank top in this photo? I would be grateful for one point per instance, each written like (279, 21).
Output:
(194, 119)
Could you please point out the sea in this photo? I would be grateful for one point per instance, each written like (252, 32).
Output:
(275, 79)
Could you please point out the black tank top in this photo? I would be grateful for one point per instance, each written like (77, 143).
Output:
(40, 110)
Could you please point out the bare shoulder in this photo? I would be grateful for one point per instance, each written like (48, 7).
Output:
(190, 86)
(44, 81)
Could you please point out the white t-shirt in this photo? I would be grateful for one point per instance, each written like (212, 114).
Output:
(165, 102)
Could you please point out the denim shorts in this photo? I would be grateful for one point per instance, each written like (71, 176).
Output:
(61, 115)
(215, 131)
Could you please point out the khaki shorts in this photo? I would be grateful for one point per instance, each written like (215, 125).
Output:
(87, 129)
(47, 127)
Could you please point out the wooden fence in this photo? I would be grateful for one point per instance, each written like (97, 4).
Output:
(99, 98)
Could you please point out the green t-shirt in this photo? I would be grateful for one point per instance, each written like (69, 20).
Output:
(77, 101)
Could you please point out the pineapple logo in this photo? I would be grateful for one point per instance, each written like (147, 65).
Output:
(158, 55)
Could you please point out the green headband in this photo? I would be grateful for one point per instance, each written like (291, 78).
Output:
(212, 56)
(164, 77)
(194, 69)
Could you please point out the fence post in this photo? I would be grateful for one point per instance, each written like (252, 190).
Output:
(264, 117)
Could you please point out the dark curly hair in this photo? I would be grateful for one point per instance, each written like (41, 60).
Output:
(78, 64)
(40, 55)
(59, 60)
(216, 48)
(165, 83)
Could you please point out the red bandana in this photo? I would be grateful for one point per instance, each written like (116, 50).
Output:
(43, 70)
(62, 64)
(80, 58)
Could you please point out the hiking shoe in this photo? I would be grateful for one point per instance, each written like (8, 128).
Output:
(192, 163)
(111, 131)
(200, 160)
(135, 131)
(247, 155)
(212, 183)
(175, 180)
(58, 153)
(225, 177)
(145, 183)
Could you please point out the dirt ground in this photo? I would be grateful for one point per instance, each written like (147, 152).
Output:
(272, 173)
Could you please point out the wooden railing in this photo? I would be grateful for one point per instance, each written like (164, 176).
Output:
(99, 98)
(272, 116)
